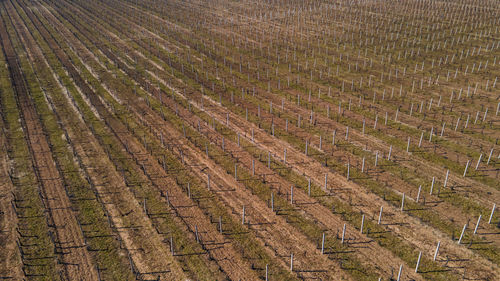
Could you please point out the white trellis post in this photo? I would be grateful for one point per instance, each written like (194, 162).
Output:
(446, 179)
(489, 157)
(466, 167)
(267, 272)
(432, 185)
(403, 202)
(380, 214)
(343, 234)
(362, 223)
(479, 161)
(323, 244)
(348, 170)
(437, 250)
(309, 186)
(400, 272)
(492, 212)
(418, 262)
(462, 234)
(477, 224)
(220, 224)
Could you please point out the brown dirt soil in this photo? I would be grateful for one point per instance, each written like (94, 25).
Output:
(421, 235)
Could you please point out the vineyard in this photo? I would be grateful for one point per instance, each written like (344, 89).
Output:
(249, 140)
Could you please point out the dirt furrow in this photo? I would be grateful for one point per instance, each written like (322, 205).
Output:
(420, 235)
(10, 259)
(70, 242)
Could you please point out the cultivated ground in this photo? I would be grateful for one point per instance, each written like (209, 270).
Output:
(249, 140)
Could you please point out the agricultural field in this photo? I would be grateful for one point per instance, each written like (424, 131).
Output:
(249, 140)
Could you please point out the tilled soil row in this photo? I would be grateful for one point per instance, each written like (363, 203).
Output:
(426, 237)
(163, 261)
(311, 207)
(70, 242)
(192, 216)
(10, 258)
